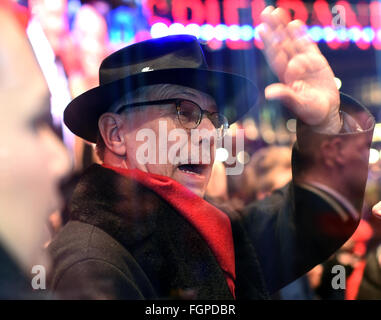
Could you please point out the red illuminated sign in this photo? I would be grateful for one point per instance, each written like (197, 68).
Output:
(239, 12)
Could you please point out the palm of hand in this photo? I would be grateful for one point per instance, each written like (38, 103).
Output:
(311, 82)
(307, 86)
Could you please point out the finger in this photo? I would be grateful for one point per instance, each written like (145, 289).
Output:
(275, 17)
(376, 210)
(288, 46)
(279, 91)
(277, 22)
(290, 99)
(274, 54)
(266, 13)
(271, 40)
(266, 34)
(297, 30)
(278, 64)
(278, 51)
(281, 15)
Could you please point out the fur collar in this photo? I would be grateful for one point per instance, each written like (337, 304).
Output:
(115, 204)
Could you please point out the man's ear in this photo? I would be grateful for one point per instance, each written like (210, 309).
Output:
(111, 127)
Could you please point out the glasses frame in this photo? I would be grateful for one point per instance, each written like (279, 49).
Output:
(177, 103)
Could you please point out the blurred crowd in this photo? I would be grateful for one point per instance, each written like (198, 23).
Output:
(269, 169)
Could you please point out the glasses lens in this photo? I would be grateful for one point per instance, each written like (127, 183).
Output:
(189, 114)
(220, 122)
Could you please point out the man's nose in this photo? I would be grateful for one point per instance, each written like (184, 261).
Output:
(207, 130)
(206, 123)
(207, 136)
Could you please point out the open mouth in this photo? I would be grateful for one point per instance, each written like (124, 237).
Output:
(192, 168)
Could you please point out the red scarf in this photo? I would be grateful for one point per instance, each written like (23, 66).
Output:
(213, 225)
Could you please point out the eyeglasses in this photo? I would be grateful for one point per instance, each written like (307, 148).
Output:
(189, 114)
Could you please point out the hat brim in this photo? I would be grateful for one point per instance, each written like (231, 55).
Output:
(234, 95)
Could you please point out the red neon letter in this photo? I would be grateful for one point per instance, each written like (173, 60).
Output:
(375, 22)
(180, 9)
(257, 7)
(300, 11)
(231, 7)
(375, 18)
(154, 7)
(322, 13)
(350, 16)
(213, 12)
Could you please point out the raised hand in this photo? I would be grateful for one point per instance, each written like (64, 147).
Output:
(307, 85)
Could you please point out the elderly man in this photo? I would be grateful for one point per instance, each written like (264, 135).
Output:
(140, 228)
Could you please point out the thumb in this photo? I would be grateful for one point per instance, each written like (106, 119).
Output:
(279, 91)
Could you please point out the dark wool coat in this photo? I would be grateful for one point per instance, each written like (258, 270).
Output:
(125, 242)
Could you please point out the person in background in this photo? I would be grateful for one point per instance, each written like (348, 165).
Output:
(32, 162)
(269, 169)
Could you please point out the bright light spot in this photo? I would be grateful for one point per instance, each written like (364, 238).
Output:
(368, 34)
(291, 125)
(234, 32)
(222, 154)
(232, 130)
(354, 34)
(176, 28)
(256, 33)
(338, 83)
(206, 32)
(342, 34)
(215, 44)
(251, 131)
(374, 156)
(193, 29)
(329, 34)
(316, 33)
(268, 136)
(221, 32)
(53, 5)
(246, 33)
(243, 157)
(159, 30)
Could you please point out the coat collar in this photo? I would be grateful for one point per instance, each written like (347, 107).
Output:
(115, 204)
(111, 202)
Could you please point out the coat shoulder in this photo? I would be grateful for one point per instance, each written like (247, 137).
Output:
(82, 246)
(79, 240)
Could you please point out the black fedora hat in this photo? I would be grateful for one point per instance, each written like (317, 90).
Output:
(175, 59)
